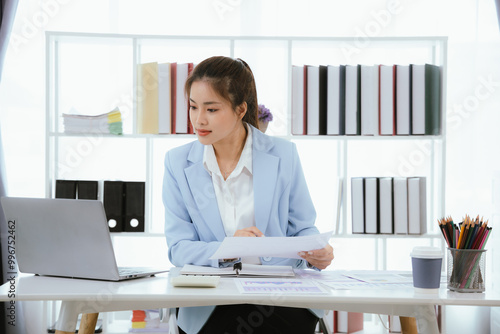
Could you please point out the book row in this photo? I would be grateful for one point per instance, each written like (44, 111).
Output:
(389, 205)
(124, 201)
(162, 106)
(366, 99)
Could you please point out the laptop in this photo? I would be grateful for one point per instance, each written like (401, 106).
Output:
(67, 238)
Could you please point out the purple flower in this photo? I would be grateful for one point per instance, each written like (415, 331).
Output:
(265, 114)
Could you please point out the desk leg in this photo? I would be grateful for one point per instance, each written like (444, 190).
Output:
(408, 325)
(87, 323)
(426, 320)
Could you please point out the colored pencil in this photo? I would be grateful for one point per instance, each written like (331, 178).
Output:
(469, 234)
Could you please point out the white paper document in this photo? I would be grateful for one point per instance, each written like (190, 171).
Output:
(282, 286)
(286, 247)
(366, 280)
(357, 285)
(381, 277)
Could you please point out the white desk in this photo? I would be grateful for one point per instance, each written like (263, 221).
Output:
(89, 296)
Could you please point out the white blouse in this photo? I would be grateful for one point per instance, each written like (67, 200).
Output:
(235, 194)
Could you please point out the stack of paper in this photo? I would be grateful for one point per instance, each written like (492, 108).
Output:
(285, 247)
(110, 122)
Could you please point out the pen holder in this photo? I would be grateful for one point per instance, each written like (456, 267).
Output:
(466, 270)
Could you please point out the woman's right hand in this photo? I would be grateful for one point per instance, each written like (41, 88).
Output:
(248, 232)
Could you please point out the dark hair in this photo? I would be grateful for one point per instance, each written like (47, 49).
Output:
(232, 79)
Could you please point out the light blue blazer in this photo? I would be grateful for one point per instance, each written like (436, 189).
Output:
(193, 226)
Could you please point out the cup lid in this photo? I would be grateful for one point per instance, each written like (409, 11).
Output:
(427, 252)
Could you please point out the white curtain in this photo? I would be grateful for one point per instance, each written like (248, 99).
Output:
(498, 11)
(7, 14)
(12, 320)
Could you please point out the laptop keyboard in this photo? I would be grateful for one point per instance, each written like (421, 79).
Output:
(126, 271)
(133, 271)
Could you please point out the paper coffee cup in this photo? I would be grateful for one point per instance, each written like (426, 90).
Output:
(426, 268)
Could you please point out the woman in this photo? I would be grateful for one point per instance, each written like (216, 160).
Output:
(235, 181)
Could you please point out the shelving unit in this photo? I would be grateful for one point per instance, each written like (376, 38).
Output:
(105, 78)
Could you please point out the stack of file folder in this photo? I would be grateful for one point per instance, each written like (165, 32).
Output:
(108, 123)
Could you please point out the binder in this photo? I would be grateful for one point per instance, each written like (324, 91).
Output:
(426, 100)
(352, 100)
(173, 97)
(369, 99)
(336, 100)
(417, 209)
(400, 205)
(357, 205)
(147, 107)
(134, 206)
(385, 194)
(432, 99)
(164, 105)
(403, 99)
(65, 189)
(113, 204)
(387, 92)
(181, 103)
(418, 92)
(299, 99)
(190, 125)
(323, 96)
(87, 189)
(371, 205)
(313, 100)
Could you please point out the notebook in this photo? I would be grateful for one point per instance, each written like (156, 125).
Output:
(65, 237)
(239, 270)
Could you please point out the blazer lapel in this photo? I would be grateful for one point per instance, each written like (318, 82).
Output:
(265, 173)
(202, 190)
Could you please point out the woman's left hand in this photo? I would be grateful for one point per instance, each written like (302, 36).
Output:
(319, 258)
(251, 231)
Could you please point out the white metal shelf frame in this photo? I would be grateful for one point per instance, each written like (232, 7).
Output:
(437, 45)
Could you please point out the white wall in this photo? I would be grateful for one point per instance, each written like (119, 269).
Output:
(473, 92)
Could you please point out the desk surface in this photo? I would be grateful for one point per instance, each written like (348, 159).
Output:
(90, 296)
(158, 288)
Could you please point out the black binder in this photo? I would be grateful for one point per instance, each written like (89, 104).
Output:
(65, 189)
(113, 200)
(323, 99)
(134, 206)
(87, 189)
